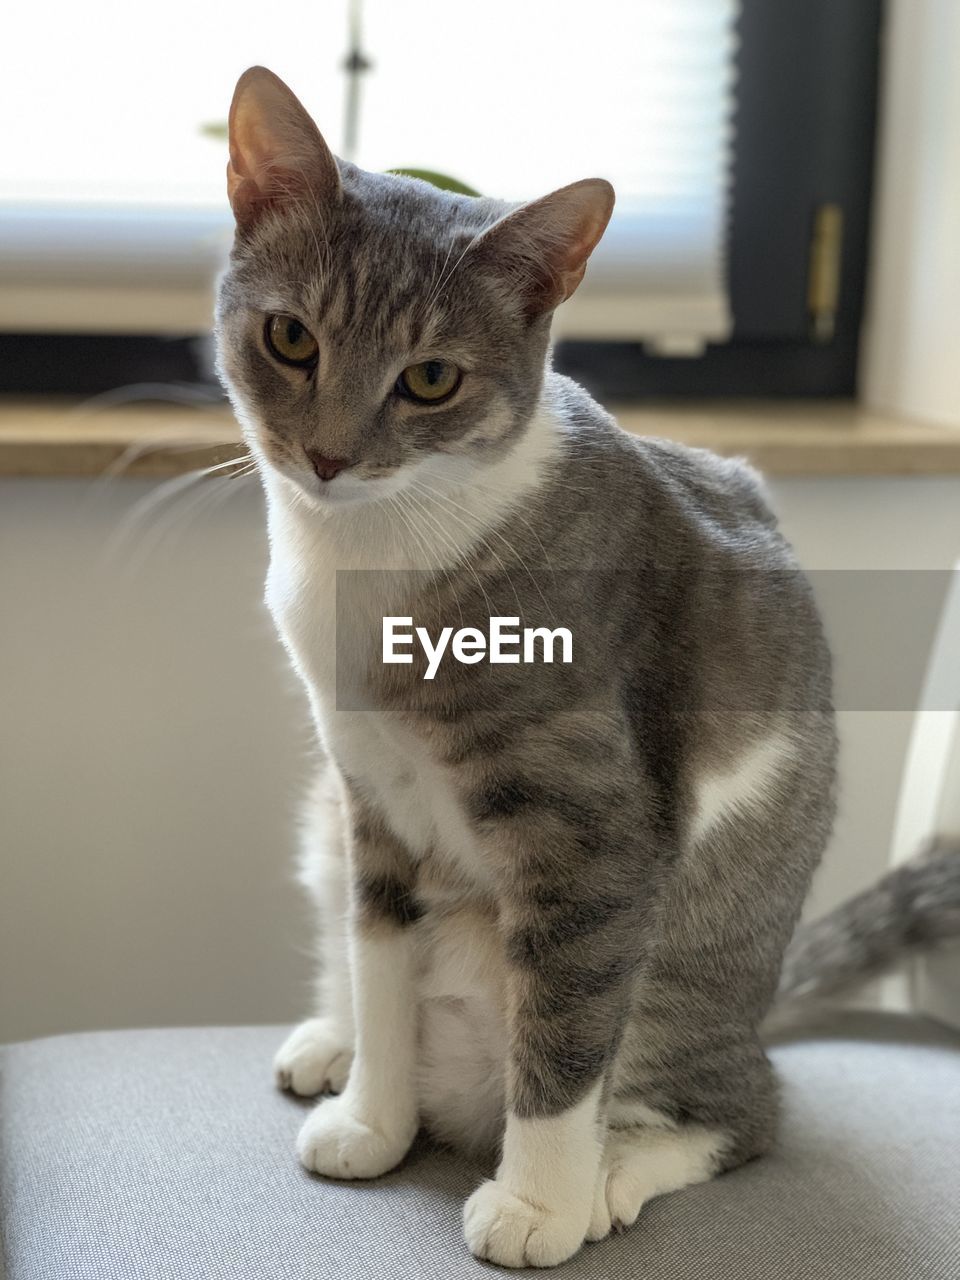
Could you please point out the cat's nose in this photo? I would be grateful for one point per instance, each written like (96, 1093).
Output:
(326, 468)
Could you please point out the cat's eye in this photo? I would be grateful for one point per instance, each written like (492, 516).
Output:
(429, 382)
(290, 341)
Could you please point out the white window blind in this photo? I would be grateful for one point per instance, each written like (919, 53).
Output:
(112, 203)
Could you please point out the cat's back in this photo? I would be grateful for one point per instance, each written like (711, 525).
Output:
(682, 558)
(657, 500)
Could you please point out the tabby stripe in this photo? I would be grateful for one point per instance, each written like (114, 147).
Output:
(387, 898)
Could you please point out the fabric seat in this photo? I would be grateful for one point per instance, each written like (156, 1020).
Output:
(168, 1154)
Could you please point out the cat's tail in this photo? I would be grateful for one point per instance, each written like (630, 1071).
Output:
(912, 909)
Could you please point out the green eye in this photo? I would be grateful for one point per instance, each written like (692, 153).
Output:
(290, 341)
(429, 382)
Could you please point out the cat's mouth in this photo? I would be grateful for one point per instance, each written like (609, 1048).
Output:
(348, 487)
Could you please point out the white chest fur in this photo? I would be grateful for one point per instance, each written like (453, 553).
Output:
(388, 762)
(395, 769)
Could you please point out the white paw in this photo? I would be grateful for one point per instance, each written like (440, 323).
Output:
(501, 1227)
(313, 1059)
(622, 1191)
(627, 1181)
(339, 1143)
(639, 1164)
(600, 1222)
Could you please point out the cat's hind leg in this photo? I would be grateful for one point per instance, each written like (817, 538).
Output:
(681, 1116)
(315, 1058)
(641, 1163)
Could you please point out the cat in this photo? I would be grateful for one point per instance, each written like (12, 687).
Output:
(556, 898)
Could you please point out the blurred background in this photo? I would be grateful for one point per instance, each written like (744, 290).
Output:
(781, 280)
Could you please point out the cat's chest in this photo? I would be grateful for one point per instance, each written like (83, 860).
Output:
(392, 764)
(303, 607)
(417, 795)
(328, 602)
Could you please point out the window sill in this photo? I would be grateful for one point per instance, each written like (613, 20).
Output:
(51, 437)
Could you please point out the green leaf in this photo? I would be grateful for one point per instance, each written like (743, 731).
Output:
(441, 180)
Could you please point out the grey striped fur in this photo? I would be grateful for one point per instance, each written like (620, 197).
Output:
(638, 903)
(914, 908)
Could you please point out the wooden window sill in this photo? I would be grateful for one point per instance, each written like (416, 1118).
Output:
(50, 437)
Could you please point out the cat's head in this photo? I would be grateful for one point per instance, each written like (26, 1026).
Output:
(372, 327)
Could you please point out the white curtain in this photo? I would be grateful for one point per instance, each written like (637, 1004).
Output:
(108, 184)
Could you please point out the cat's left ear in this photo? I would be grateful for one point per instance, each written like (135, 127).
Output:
(542, 248)
(277, 153)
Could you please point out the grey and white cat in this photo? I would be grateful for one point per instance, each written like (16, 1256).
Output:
(555, 902)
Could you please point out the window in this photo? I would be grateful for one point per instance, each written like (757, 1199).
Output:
(112, 210)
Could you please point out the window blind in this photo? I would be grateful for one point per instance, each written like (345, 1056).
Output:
(112, 205)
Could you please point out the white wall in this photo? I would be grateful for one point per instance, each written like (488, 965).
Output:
(152, 748)
(912, 333)
(880, 524)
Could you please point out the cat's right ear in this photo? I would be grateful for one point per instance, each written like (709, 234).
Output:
(542, 248)
(277, 154)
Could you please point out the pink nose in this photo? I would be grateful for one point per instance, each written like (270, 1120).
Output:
(326, 468)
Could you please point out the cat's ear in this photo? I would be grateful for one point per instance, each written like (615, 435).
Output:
(277, 153)
(542, 248)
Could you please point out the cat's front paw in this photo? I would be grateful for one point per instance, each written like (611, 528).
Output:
(314, 1058)
(503, 1228)
(339, 1143)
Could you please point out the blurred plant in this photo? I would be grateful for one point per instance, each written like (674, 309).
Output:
(441, 180)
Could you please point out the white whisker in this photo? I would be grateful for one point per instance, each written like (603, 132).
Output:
(451, 506)
(132, 521)
(459, 557)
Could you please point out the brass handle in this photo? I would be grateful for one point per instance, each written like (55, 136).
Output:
(823, 286)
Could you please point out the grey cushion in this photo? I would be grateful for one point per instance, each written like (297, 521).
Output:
(168, 1154)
